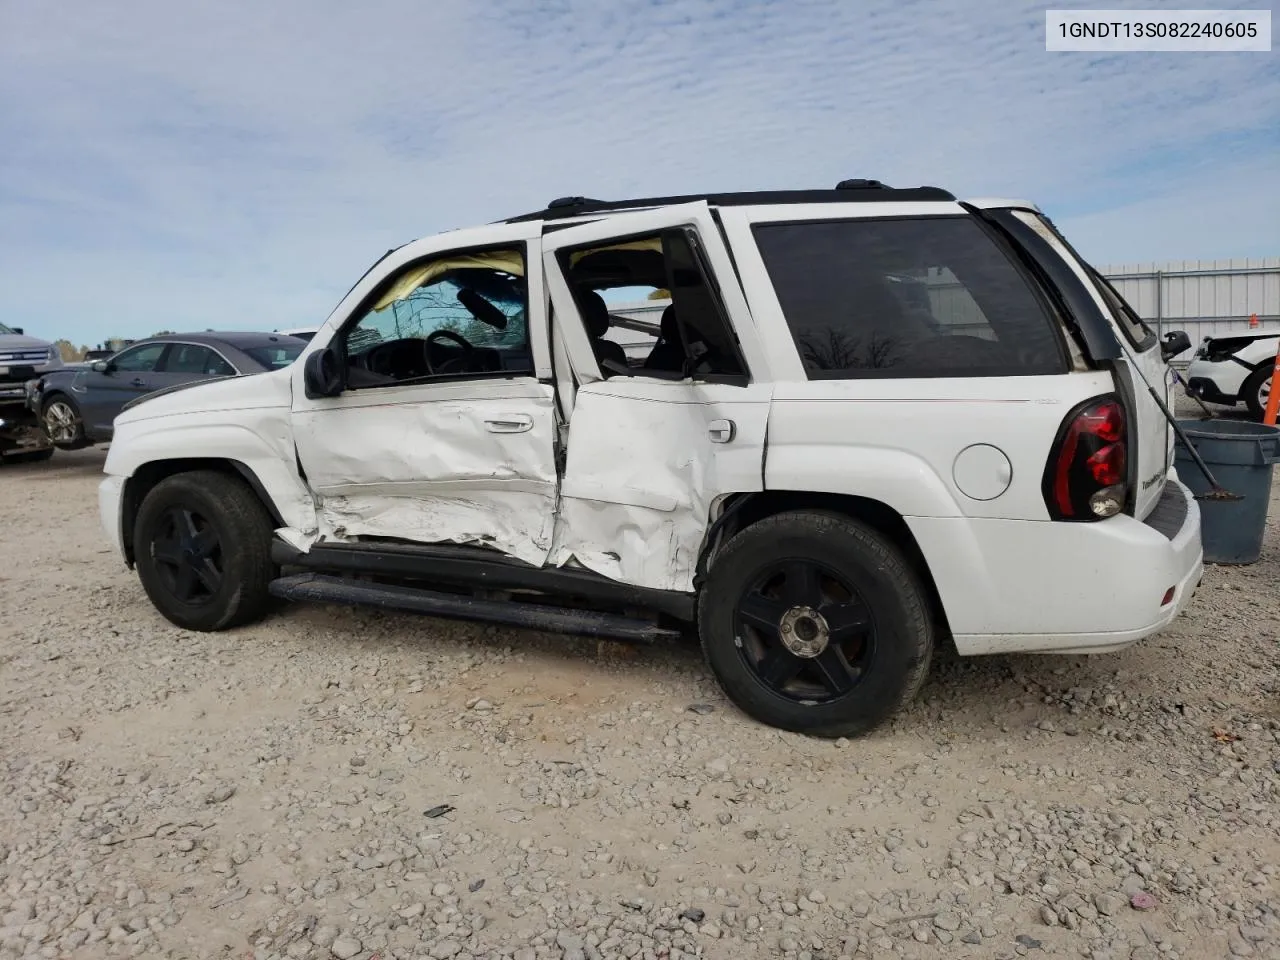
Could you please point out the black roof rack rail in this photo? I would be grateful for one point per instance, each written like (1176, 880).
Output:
(847, 191)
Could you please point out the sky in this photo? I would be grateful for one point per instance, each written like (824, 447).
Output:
(237, 165)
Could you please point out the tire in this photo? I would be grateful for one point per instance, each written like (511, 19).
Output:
(61, 420)
(859, 662)
(202, 546)
(1255, 389)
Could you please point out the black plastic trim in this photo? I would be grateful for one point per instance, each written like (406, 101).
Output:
(1169, 513)
(1097, 337)
(530, 616)
(465, 566)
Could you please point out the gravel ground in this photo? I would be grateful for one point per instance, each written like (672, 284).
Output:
(338, 783)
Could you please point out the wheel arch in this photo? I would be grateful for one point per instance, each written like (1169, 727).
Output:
(742, 510)
(147, 475)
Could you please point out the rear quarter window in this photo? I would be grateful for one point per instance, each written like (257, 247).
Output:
(920, 297)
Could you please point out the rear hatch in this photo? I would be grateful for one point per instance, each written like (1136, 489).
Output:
(1140, 364)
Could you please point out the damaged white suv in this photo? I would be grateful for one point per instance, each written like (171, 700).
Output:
(828, 428)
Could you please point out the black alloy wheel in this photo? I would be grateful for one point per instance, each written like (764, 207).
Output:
(804, 630)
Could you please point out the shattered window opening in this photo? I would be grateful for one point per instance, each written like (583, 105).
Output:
(456, 314)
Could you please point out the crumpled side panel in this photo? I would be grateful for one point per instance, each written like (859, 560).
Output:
(518, 524)
(649, 548)
(633, 501)
(469, 462)
(440, 440)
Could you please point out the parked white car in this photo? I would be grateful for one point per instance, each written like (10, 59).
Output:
(871, 419)
(1235, 369)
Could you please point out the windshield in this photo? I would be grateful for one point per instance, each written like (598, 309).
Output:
(275, 356)
(7, 330)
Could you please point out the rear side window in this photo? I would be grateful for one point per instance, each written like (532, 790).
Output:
(190, 358)
(276, 356)
(924, 297)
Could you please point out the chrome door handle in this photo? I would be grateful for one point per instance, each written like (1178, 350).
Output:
(722, 431)
(137, 382)
(515, 423)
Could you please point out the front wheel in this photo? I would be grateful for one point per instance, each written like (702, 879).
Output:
(815, 623)
(202, 544)
(61, 420)
(1257, 390)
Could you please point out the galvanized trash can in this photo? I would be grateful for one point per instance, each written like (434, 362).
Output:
(1240, 454)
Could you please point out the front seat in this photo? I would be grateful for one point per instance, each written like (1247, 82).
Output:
(668, 353)
(595, 317)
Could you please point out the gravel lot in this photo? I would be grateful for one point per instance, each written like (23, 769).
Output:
(347, 784)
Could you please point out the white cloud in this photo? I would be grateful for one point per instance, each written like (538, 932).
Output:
(197, 164)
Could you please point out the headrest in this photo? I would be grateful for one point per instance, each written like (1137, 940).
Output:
(667, 328)
(595, 313)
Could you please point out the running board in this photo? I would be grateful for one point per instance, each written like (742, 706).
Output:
(589, 623)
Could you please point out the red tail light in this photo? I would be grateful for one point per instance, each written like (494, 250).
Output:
(1085, 478)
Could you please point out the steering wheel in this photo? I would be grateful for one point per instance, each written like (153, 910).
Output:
(459, 339)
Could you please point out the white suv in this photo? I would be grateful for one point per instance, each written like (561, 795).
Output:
(1235, 369)
(868, 418)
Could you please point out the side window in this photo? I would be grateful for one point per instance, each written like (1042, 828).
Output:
(650, 308)
(921, 297)
(454, 315)
(188, 358)
(141, 359)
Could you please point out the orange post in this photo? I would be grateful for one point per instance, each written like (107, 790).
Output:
(1253, 320)
(1273, 398)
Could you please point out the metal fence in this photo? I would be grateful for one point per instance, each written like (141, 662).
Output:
(1206, 298)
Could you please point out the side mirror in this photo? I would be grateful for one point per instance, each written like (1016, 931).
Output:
(101, 366)
(1174, 343)
(17, 330)
(322, 374)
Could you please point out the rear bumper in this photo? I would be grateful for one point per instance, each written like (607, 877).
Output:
(1043, 587)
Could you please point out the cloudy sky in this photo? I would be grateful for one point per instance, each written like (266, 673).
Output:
(237, 165)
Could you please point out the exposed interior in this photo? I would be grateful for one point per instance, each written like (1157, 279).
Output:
(694, 337)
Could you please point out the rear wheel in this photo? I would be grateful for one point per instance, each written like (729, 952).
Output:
(202, 542)
(815, 623)
(1257, 389)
